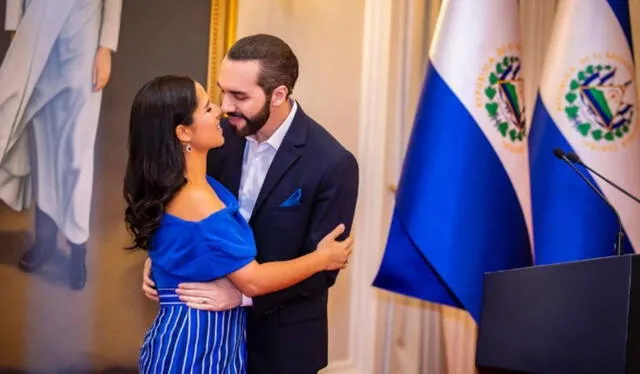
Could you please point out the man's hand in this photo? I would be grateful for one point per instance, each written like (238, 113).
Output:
(148, 286)
(214, 296)
(101, 68)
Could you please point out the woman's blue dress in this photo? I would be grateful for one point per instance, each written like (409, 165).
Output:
(186, 340)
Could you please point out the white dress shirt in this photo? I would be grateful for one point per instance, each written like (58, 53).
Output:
(255, 164)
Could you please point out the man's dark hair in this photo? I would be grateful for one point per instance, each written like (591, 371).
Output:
(278, 63)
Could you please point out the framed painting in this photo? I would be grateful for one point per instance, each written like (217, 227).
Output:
(103, 324)
(222, 34)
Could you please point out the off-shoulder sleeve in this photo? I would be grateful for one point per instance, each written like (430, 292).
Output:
(213, 253)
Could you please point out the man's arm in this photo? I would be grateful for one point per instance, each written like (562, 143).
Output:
(109, 33)
(335, 204)
(13, 14)
(110, 28)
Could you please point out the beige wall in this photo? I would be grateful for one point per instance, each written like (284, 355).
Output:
(326, 36)
(327, 39)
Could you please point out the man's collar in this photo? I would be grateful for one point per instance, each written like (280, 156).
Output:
(275, 140)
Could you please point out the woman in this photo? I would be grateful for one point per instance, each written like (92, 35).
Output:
(191, 226)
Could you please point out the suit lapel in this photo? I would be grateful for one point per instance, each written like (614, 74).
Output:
(289, 151)
(235, 166)
(226, 162)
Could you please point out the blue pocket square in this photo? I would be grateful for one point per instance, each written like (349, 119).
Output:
(294, 199)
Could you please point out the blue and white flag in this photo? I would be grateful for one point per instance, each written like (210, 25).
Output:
(587, 105)
(463, 198)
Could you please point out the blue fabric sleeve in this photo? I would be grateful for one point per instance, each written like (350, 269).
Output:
(208, 253)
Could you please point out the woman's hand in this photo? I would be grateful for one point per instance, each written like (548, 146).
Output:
(335, 254)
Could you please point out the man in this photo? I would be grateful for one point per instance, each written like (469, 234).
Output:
(52, 79)
(294, 183)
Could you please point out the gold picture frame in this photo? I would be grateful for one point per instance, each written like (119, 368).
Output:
(222, 34)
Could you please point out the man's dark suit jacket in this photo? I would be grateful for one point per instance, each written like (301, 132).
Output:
(287, 330)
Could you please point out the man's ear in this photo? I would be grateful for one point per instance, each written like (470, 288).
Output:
(279, 95)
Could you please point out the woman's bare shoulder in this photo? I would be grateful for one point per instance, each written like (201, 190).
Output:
(194, 203)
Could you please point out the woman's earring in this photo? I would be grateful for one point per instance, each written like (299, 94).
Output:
(188, 147)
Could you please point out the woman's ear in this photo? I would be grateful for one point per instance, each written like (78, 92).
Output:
(183, 133)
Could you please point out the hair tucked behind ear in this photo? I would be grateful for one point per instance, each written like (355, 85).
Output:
(155, 168)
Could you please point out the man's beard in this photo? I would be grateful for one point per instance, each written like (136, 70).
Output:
(253, 124)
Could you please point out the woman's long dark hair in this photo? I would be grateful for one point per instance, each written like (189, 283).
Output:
(155, 169)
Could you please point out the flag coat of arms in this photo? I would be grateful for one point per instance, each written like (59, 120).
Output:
(587, 105)
(462, 205)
